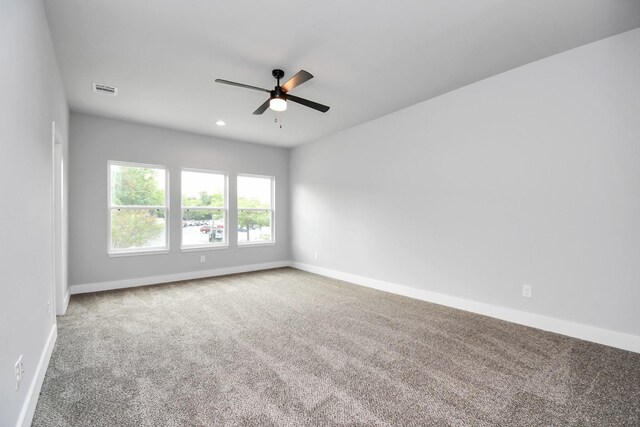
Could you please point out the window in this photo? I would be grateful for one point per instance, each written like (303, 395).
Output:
(204, 212)
(255, 209)
(137, 208)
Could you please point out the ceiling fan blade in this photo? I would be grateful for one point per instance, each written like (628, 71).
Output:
(307, 103)
(297, 80)
(227, 82)
(261, 109)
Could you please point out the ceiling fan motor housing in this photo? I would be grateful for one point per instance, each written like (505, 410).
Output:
(277, 92)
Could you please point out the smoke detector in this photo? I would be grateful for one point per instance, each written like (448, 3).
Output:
(105, 89)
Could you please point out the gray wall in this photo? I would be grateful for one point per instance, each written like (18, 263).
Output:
(528, 177)
(94, 141)
(32, 97)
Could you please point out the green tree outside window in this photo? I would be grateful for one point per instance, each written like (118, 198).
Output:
(132, 189)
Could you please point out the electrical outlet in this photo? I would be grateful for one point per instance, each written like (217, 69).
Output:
(526, 291)
(202, 258)
(315, 255)
(18, 370)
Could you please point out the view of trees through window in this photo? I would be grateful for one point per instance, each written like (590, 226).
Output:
(203, 208)
(138, 207)
(255, 211)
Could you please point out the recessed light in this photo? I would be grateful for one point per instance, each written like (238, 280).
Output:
(220, 123)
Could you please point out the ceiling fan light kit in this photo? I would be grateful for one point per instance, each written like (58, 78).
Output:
(278, 104)
(278, 97)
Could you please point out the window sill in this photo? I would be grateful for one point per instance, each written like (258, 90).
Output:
(203, 248)
(139, 252)
(254, 244)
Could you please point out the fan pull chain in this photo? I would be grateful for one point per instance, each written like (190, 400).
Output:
(276, 121)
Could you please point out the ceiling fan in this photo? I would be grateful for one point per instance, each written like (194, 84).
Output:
(279, 96)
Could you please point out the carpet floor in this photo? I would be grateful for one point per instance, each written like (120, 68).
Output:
(289, 348)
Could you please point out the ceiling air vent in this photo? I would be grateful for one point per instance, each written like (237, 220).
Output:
(107, 90)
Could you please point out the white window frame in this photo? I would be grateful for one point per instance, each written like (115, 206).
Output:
(138, 251)
(225, 208)
(272, 211)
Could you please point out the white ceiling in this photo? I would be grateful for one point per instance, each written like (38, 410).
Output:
(369, 57)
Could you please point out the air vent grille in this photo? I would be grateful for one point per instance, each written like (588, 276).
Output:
(106, 89)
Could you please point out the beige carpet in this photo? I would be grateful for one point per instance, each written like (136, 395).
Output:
(289, 348)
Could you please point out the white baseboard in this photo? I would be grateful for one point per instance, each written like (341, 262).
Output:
(153, 280)
(29, 406)
(551, 324)
(65, 303)
(61, 306)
